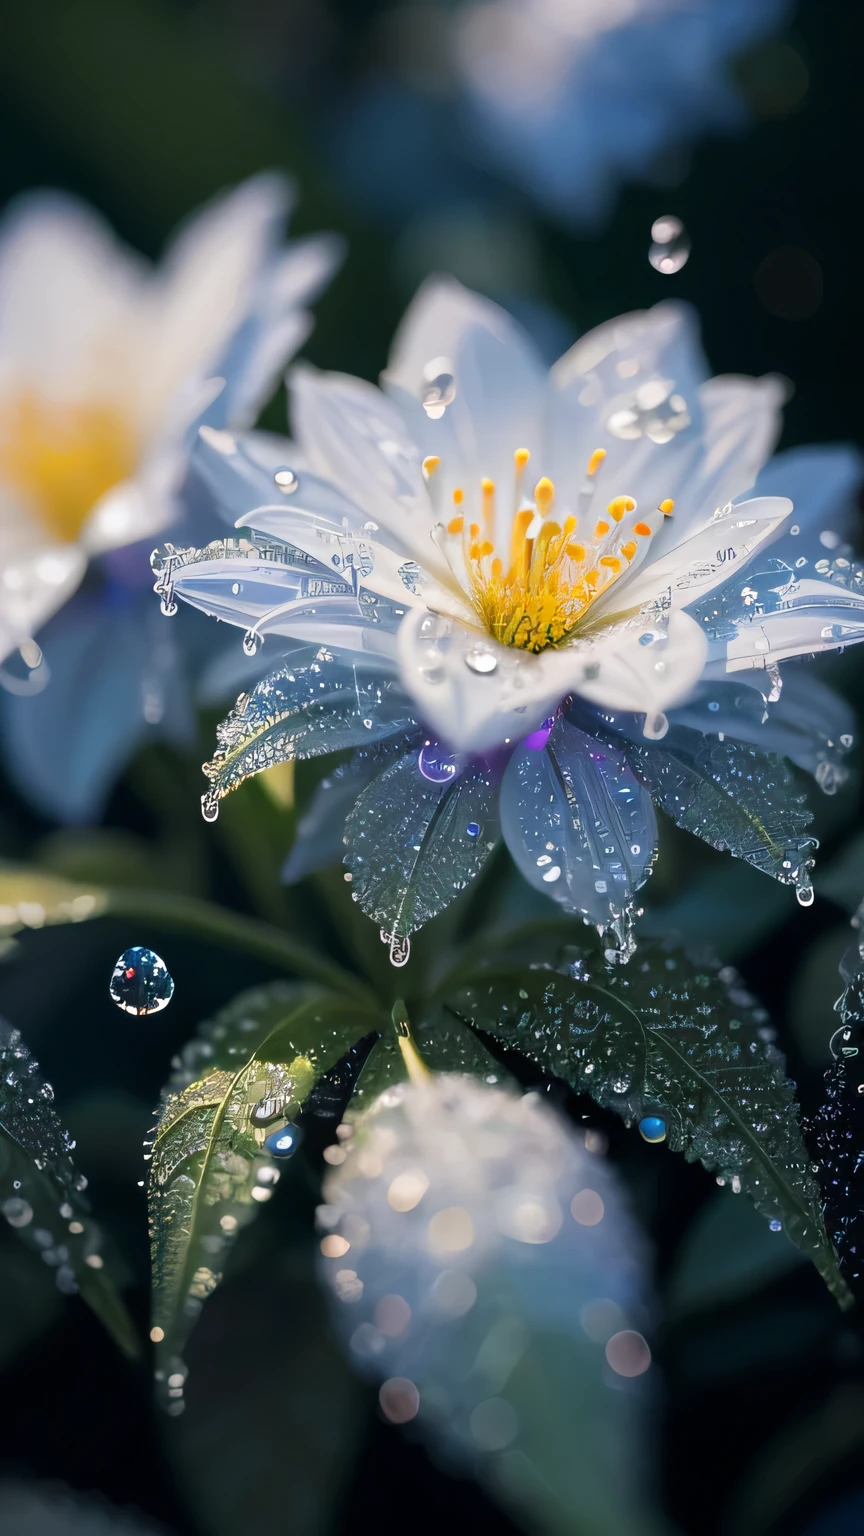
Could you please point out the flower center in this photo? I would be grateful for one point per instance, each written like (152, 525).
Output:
(550, 570)
(62, 458)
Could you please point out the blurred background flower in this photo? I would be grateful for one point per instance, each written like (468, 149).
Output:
(106, 369)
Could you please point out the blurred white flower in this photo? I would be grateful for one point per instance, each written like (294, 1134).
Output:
(106, 363)
(486, 1271)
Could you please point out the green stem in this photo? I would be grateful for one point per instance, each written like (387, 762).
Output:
(205, 920)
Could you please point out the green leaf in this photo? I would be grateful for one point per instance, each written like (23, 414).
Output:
(727, 1253)
(41, 1192)
(444, 1044)
(669, 1037)
(30, 898)
(409, 848)
(733, 797)
(209, 1170)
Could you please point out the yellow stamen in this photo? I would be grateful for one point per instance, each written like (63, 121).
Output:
(595, 461)
(619, 506)
(430, 465)
(455, 525)
(642, 529)
(667, 507)
(520, 552)
(544, 494)
(61, 458)
(601, 529)
(458, 497)
(610, 560)
(474, 530)
(488, 489)
(575, 551)
(521, 457)
(629, 550)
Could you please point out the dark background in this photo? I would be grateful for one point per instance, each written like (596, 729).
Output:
(146, 109)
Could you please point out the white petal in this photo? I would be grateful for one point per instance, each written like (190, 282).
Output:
(646, 671)
(816, 616)
(705, 560)
(473, 693)
(34, 586)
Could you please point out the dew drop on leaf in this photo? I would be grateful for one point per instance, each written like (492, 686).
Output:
(141, 982)
(652, 1128)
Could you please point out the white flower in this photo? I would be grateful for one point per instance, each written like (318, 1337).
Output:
(106, 363)
(514, 537)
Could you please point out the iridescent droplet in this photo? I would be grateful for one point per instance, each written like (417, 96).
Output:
(652, 1128)
(251, 641)
(284, 1142)
(436, 765)
(670, 245)
(473, 829)
(141, 982)
(775, 1225)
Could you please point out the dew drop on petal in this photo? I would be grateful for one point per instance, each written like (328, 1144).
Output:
(141, 982)
(437, 765)
(481, 660)
(670, 245)
(286, 480)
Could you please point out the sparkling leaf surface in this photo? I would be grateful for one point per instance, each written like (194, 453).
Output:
(680, 1040)
(413, 844)
(41, 1192)
(305, 710)
(734, 797)
(243, 1077)
(467, 1236)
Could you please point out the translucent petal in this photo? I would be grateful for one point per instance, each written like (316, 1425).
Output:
(319, 839)
(414, 844)
(305, 710)
(578, 823)
(732, 796)
(809, 723)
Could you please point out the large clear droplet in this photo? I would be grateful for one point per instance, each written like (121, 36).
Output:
(141, 982)
(436, 765)
(283, 1143)
(286, 480)
(670, 245)
(481, 659)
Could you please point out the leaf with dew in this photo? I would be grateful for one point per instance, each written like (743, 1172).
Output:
(680, 1043)
(41, 1192)
(240, 1082)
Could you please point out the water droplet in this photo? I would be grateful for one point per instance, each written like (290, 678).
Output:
(436, 765)
(439, 392)
(286, 480)
(473, 829)
(481, 659)
(210, 806)
(775, 1225)
(804, 891)
(652, 1128)
(251, 641)
(17, 1212)
(400, 950)
(265, 1111)
(670, 245)
(168, 607)
(284, 1142)
(141, 982)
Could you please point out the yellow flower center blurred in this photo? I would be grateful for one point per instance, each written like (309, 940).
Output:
(62, 458)
(539, 591)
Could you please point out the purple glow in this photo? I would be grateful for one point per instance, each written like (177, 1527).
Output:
(538, 739)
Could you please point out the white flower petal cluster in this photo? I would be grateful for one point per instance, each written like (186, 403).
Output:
(106, 364)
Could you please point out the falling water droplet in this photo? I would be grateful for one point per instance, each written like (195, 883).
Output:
(286, 480)
(251, 641)
(168, 607)
(670, 245)
(284, 1142)
(804, 890)
(400, 950)
(209, 806)
(141, 982)
(652, 1128)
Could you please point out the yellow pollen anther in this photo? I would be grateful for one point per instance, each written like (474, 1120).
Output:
(601, 529)
(596, 460)
(544, 494)
(497, 569)
(430, 465)
(610, 560)
(521, 457)
(486, 548)
(629, 550)
(488, 487)
(575, 551)
(455, 525)
(619, 506)
(642, 529)
(474, 530)
(667, 507)
(458, 497)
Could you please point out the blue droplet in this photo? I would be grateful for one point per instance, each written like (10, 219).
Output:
(652, 1128)
(141, 982)
(473, 829)
(714, 706)
(284, 1142)
(437, 765)
(775, 1225)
